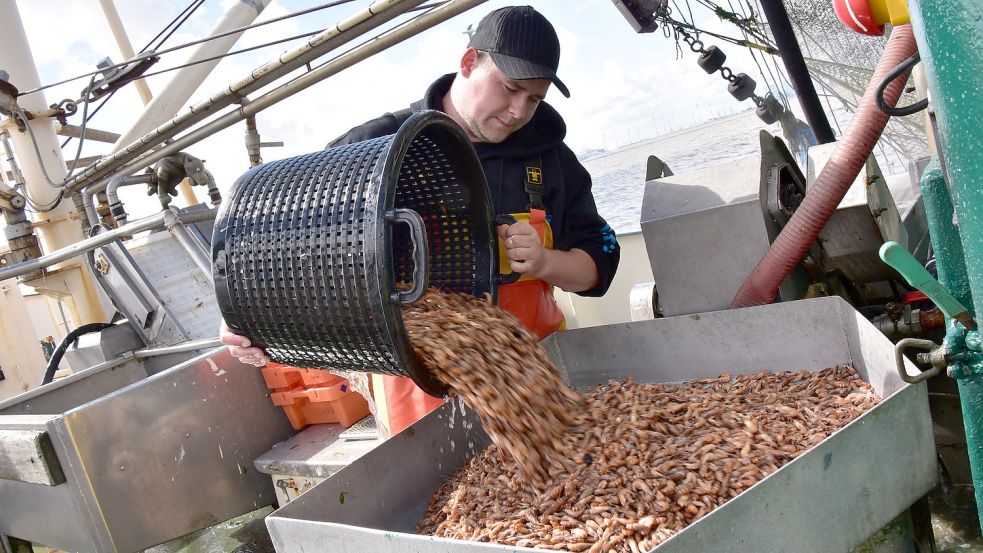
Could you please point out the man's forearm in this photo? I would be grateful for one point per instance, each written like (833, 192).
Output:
(573, 271)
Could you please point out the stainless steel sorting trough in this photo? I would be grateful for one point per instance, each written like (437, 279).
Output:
(144, 459)
(828, 500)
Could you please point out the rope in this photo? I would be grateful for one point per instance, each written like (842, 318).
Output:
(183, 16)
(164, 30)
(233, 53)
(193, 8)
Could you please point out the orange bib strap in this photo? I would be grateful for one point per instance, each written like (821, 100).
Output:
(537, 218)
(529, 299)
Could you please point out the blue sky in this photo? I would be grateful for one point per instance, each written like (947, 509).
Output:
(622, 84)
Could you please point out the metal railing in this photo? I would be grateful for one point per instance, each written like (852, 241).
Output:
(164, 219)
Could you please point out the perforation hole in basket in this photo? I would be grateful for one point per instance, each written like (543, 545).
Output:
(429, 184)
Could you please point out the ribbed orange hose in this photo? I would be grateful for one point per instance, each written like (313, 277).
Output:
(761, 286)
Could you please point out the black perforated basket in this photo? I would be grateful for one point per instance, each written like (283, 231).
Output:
(307, 251)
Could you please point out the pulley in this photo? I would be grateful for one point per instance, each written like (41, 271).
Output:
(115, 77)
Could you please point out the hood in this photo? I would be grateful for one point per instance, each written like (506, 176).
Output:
(543, 132)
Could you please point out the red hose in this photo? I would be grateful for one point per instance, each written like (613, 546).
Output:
(761, 286)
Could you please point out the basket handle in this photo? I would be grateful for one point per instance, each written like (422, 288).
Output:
(421, 254)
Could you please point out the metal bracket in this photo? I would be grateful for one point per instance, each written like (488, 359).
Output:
(102, 265)
(254, 143)
(133, 295)
(965, 359)
(116, 77)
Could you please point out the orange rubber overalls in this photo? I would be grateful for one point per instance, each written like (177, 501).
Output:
(529, 299)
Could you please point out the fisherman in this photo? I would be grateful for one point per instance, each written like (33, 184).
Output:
(558, 239)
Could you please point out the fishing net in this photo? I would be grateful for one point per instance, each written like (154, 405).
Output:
(842, 62)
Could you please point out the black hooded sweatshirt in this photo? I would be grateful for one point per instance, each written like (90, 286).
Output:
(567, 200)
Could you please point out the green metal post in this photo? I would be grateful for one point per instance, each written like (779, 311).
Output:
(950, 40)
(945, 236)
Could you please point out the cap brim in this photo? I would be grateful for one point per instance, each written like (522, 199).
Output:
(520, 70)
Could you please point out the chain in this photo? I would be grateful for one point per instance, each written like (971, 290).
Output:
(696, 45)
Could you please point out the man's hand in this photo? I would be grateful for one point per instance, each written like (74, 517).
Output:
(240, 348)
(573, 271)
(524, 248)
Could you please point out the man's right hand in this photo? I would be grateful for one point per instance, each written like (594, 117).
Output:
(240, 347)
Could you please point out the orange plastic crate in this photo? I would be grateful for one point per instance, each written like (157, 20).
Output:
(279, 376)
(321, 405)
(310, 396)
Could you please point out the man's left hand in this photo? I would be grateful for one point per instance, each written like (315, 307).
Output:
(524, 248)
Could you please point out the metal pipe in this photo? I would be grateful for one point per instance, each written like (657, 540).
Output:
(17, 59)
(23, 398)
(75, 131)
(58, 227)
(115, 205)
(125, 48)
(798, 73)
(88, 205)
(945, 235)
(956, 91)
(375, 15)
(180, 348)
(148, 223)
(90, 191)
(78, 248)
(422, 23)
(12, 201)
(191, 245)
(252, 142)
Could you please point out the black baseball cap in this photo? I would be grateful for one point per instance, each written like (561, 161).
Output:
(522, 43)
